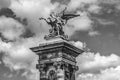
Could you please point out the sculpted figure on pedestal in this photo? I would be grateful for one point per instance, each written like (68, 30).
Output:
(57, 21)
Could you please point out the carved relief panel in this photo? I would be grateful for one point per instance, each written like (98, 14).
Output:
(49, 55)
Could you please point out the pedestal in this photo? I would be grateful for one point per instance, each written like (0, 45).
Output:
(57, 59)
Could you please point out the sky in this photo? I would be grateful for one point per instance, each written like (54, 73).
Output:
(97, 28)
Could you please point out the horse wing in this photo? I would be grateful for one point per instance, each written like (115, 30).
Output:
(68, 16)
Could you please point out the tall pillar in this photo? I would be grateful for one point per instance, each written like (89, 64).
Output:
(57, 59)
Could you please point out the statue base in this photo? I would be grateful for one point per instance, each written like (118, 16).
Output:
(48, 37)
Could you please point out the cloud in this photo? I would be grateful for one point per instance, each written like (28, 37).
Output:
(17, 56)
(96, 67)
(84, 8)
(110, 1)
(90, 62)
(32, 74)
(93, 33)
(7, 12)
(33, 10)
(82, 23)
(74, 4)
(95, 8)
(107, 74)
(105, 22)
(10, 28)
(79, 44)
(5, 3)
(4, 46)
(111, 73)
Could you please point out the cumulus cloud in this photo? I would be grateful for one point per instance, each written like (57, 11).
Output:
(90, 62)
(107, 74)
(79, 44)
(91, 8)
(10, 28)
(17, 56)
(84, 8)
(83, 23)
(93, 66)
(33, 10)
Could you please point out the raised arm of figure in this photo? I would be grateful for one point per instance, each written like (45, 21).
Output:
(44, 20)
